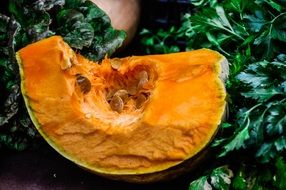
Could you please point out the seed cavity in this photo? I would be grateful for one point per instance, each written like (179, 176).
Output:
(131, 95)
(84, 83)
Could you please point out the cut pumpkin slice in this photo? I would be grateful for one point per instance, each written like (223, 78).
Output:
(139, 118)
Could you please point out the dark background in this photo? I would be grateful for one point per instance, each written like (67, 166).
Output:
(155, 15)
(44, 169)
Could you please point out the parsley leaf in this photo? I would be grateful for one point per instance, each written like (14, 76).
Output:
(262, 126)
(219, 178)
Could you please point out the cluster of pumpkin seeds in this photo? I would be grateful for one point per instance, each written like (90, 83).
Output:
(136, 94)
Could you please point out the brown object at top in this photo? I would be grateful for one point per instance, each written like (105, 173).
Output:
(124, 15)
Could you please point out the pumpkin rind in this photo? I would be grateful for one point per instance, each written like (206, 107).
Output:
(180, 116)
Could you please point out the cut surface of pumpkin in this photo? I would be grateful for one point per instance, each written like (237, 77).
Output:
(125, 116)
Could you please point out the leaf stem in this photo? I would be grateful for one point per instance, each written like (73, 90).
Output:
(230, 31)
(274, 19)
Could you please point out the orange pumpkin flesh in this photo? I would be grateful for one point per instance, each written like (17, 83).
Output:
(164, 119)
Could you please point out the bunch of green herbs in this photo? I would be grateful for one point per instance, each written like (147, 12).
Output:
(85, 27)
(252, 36)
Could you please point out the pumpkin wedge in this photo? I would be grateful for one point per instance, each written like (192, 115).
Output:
(138, 119)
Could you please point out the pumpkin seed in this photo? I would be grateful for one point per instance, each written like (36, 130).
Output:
(142, 83)
(109, 94)
(132, 90)
(123, 94)
(143, 79)
(115, 63)
(84, 83)
(116, 104)
(66, 64)
(140, 100)
(142, 75)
